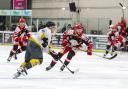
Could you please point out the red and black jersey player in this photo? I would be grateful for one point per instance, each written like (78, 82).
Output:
(112, 41)
(19, 38)
(72, 41)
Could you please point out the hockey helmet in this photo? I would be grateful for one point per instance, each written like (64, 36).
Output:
(22, 20)
(78, 29)
(113, 28)
(78, 26)
(50, 24)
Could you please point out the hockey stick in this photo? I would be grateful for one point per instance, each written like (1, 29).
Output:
(109, 58)
(69, 68)
(110, 22)
(122, 9)
(121, 4)
(52, 52)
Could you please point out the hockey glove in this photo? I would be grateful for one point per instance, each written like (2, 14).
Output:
(45, 42)
(25, 39)
(89, 50)
(18, 39)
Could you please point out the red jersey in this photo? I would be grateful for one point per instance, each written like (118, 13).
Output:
(21, 33)
(70, 39)
(112, 38)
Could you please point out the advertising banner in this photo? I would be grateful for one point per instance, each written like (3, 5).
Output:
(5, 12)
(19, 4)
(15, 12)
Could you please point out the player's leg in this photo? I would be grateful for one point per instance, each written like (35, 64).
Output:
(107, 50)
(21, 69)
(70, 55)
(114, 49)
(33, 57)
(126, 44)
(12, 52)
(21, 49)
(56, 57)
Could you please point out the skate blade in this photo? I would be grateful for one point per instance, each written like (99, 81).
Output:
(16, 75)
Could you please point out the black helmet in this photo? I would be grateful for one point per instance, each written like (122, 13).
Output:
(49, 24)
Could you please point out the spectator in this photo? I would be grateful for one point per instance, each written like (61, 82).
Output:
(64, 28)
(34, 29)
(13, 27)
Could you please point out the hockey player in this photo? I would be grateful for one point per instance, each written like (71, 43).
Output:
(19, 39)
(34, 55)
(48, 30)
(112, 40)
(122, 27)
(71, 42)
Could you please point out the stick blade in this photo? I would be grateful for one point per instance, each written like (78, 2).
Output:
(74, 72)
(112, 57)
(121, 4)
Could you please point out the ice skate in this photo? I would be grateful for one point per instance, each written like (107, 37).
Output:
(104, 56)
(9, 59)
(48, 68)
(20, 71)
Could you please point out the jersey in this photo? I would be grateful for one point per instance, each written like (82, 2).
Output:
(70, 39)
(20, 35)
(112, 38)
(47, 34)
(44, 33)
(122, 24)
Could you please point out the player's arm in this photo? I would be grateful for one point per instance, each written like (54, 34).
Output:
(65, 39)
(43, 37)
(35, 41)
(16, 35)
(89, 44)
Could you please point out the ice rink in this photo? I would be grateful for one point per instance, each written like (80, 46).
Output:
(94, 73)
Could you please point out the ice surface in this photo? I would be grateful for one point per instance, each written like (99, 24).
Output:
(94, 73)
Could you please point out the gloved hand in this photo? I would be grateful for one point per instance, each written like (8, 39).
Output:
(45, 42)
(18, 39)
(24, 38)
(89, 52)
(44, 45)
(89, 49)
(28, 35)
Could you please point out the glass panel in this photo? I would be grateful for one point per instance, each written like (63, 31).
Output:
(103, 26)
(92, 26)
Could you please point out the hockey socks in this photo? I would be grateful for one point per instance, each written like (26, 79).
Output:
(54, 61)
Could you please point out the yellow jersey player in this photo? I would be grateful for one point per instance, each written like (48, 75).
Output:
(34, 55)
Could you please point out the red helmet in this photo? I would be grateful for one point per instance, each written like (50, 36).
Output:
(78, 26)
(78, 29)
(22, 20)
(114, 28)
